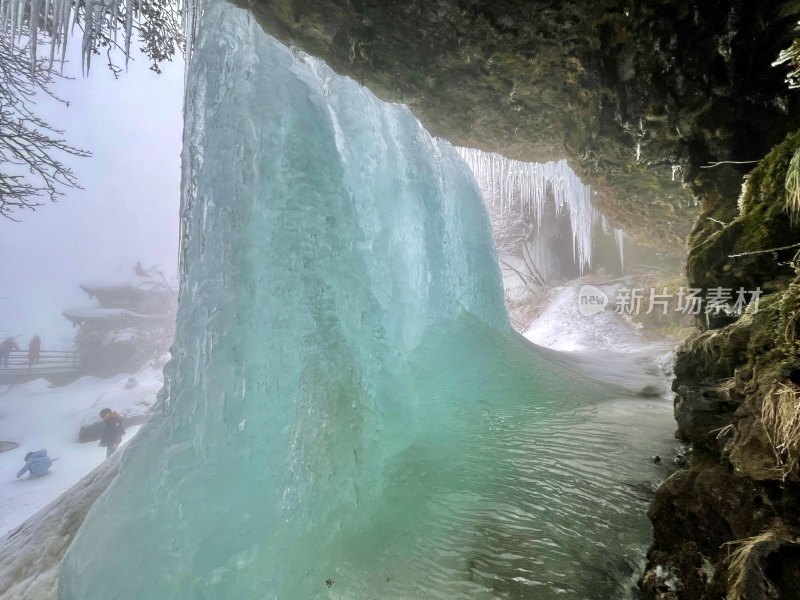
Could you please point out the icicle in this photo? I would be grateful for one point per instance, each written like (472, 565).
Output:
(5, 12)
(34, 35)
(53, 31)
(46, 16)
(114, 12)
(128, 29)
(524, 188)
(67, 7)
(29, 18)
(16, 7)
(88, 32)
(620, 237)
(20, 18)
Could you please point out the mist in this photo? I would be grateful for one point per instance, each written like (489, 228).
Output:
(127, 211)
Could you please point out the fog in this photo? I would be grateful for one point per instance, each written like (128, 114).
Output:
(126, 212)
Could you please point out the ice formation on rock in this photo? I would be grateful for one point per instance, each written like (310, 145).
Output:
(524, 188)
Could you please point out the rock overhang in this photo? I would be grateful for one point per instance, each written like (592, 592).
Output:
(638, 97)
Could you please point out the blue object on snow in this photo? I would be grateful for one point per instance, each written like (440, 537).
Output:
(38, 463)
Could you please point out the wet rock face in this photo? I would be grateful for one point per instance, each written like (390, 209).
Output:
(728, 525)
(697, 514)
(636, 95)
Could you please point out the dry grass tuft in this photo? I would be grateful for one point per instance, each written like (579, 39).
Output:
(723, 431)
(790, 330)
(743, 195)
(725, 390)
(780, 414)
(710, 347)
(737, 563)
(790, 312)
(793, 188)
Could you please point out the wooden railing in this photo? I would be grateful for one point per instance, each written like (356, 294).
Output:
(48, 361)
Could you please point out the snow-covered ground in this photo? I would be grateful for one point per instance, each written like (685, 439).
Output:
(37, 415)
(605, 346)
(561, 325)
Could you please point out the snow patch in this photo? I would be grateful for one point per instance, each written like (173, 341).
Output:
(31, 554)
(561, 326)
(37, 415)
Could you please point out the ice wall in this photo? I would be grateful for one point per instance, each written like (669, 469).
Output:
(324, 233)
(347, 414)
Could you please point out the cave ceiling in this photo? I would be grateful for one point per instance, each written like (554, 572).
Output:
(639, 97)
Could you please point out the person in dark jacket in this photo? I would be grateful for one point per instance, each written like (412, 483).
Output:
(34, 351)
(112, 431)
(7, 347)
(37, 463)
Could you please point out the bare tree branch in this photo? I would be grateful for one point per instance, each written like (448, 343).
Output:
(31, 150)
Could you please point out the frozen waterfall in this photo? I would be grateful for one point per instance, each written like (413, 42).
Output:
(347, 413)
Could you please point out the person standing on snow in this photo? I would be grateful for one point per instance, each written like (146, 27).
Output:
(7, 347)
(112, 431)
(37, 463)
(34, 351)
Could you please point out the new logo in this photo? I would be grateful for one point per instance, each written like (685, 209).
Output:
(591, 300)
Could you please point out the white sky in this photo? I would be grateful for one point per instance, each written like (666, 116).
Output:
(127, 211)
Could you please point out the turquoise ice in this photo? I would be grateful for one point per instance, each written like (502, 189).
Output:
(348, 414)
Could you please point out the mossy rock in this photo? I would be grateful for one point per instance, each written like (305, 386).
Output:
(761, 225)
(712, 356)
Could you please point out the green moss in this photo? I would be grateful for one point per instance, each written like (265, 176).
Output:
(766, 189)
(763, 224)
(787, 333)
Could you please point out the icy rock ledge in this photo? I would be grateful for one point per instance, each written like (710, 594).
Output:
(31, 554)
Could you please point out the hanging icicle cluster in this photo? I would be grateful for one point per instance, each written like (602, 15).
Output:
(163, 24)
(31, 18)
(512, 186)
